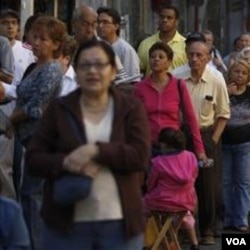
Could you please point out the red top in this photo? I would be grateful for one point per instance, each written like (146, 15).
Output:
(163, 108)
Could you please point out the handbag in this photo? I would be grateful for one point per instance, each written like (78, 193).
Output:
(71, 188)
(185, 128)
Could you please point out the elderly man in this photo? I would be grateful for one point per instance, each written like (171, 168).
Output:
(84, 23)
(209, 95)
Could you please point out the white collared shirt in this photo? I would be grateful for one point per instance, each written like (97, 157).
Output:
(68, 83)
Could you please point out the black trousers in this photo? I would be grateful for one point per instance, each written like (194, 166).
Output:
(208, 186)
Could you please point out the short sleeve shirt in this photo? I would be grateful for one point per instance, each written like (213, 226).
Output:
(177, 44)
(209, 95)
(6, 56)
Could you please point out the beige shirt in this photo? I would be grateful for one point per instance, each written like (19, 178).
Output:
(103, 202)
(209, 95)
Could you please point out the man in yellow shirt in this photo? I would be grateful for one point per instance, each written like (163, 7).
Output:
(168, 23)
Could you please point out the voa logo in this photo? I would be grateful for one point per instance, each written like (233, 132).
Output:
(236, 241)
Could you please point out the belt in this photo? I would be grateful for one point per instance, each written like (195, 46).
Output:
(206, 128)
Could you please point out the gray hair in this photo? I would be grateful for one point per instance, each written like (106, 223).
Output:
(82, 10)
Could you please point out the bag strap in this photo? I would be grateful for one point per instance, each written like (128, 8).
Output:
(182, 107)
(74, 126)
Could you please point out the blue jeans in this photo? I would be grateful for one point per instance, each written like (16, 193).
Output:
(13, 231)
(17, 166)
(236, 184)
(31, 200)
(98, 235)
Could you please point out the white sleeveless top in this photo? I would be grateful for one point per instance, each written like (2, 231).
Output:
(103, 202)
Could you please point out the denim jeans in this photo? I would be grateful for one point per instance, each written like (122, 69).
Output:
(98, 235)
(13, 231)
(17, 166)
(236, 184)
(31, 200)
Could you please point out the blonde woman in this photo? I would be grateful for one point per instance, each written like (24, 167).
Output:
(236, 148)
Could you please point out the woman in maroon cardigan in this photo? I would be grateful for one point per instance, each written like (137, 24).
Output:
(114, 152)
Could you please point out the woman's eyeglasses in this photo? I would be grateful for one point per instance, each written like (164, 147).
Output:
(96, 65)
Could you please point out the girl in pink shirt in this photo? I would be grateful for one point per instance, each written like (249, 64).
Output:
(170, 184)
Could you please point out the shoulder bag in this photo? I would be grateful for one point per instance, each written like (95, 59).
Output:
(185, 128)
(71, 188)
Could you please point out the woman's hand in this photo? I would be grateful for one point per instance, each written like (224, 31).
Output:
(90, 169)
(79, 159)
(9, 133)
(231, 88)
(202, 157)
(17, 116)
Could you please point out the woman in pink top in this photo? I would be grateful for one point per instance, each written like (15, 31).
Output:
(170, 185)
(160, 96)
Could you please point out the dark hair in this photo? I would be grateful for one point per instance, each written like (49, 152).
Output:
(236, 40)
(170, 7)
(96, 43)
(207, 32)
(164, 47)
(194, 37)
(113, 13)
(172, 137)
(69, 46)
(28, 25)
(10, 12)
(56, 30)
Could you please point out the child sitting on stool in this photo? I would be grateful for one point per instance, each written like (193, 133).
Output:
(170, 184)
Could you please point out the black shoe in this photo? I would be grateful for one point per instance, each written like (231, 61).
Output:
(194, 247)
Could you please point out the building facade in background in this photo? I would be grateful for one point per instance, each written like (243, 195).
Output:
(227, 19)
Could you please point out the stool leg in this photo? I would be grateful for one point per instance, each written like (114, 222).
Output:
(174, 238)
(174, 229)
(162, 233)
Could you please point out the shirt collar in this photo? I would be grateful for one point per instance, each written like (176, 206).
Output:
(149, 81)
(177, 37)
(70, 73)
(204, 77)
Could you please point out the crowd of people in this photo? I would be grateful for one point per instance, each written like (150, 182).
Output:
(119, 133)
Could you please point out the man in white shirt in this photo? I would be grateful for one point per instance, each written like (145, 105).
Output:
(23, 57)
(68, 49)
(216, 59)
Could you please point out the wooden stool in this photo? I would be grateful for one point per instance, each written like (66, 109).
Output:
(167, 224)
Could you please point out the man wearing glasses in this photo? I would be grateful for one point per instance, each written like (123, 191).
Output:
(108, 29)
(84, 23)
